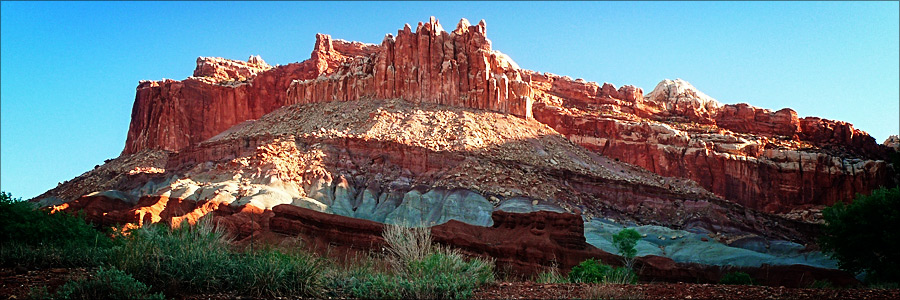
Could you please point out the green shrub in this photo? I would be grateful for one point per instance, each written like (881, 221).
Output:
(37, 238)
(187, 258)
(270, 272)
(594, 271)
(740, 278)
(589, 271)
(441, 275)
(863, 235)
(199, 259)
(109, 283)
(420, 270)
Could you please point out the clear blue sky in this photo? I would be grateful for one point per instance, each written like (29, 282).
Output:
(69, 69)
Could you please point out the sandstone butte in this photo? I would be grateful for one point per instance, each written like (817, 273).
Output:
(436, 126)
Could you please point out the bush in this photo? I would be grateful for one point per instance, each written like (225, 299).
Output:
(407, 244)
(740, 278)
(199, 259)
(589, 271)
(37, 238)
(420, 270)
(863, 235)
(593, 271)
(109, 283)
(270, 272)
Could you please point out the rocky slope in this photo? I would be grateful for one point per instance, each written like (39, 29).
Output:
(433, 126)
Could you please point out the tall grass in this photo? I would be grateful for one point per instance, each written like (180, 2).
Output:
(199, 259)
(552, 275)
(421, 270)
(407, 244)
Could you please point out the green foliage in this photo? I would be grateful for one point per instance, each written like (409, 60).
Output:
(440, 275)
(37, 238)
(863, 236)
(199, 259)
(593, 271)
(589, 271)
(270, 272)
(109, 283)
(625, 241)
(740, 278)
(420, 270)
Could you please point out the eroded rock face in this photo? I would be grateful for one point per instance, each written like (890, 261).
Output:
(218, 69)
(772, 161)
(428, 65)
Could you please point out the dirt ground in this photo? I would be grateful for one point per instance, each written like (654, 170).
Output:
(16, 284)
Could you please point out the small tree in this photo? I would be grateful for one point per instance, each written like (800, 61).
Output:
(863, 235)
(625, 241)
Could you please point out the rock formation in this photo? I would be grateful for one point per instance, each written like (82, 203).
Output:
(436, 128)
(428, 65)
(771, 161)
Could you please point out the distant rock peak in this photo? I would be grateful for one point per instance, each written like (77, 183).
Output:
(678, 95)
(219, 69)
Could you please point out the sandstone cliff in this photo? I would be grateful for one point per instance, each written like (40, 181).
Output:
(433, 127)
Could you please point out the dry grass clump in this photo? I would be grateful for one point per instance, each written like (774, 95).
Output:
(610, 291)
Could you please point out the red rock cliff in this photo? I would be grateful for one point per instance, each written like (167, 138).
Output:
(429, 65)
(772, 161)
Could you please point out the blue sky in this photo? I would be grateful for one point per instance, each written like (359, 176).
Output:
(69, 69)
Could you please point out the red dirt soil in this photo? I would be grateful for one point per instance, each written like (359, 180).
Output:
(16, 284)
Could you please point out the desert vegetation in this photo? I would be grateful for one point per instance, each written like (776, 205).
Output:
(863, 235)
(157, 260)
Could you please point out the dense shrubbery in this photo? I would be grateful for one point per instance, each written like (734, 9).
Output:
(36, 238)
(200, 259)
(863, 235)
(736, 278)
(593, 271)
(105, 283)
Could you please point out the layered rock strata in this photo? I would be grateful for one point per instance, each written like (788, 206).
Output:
(770, 161)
